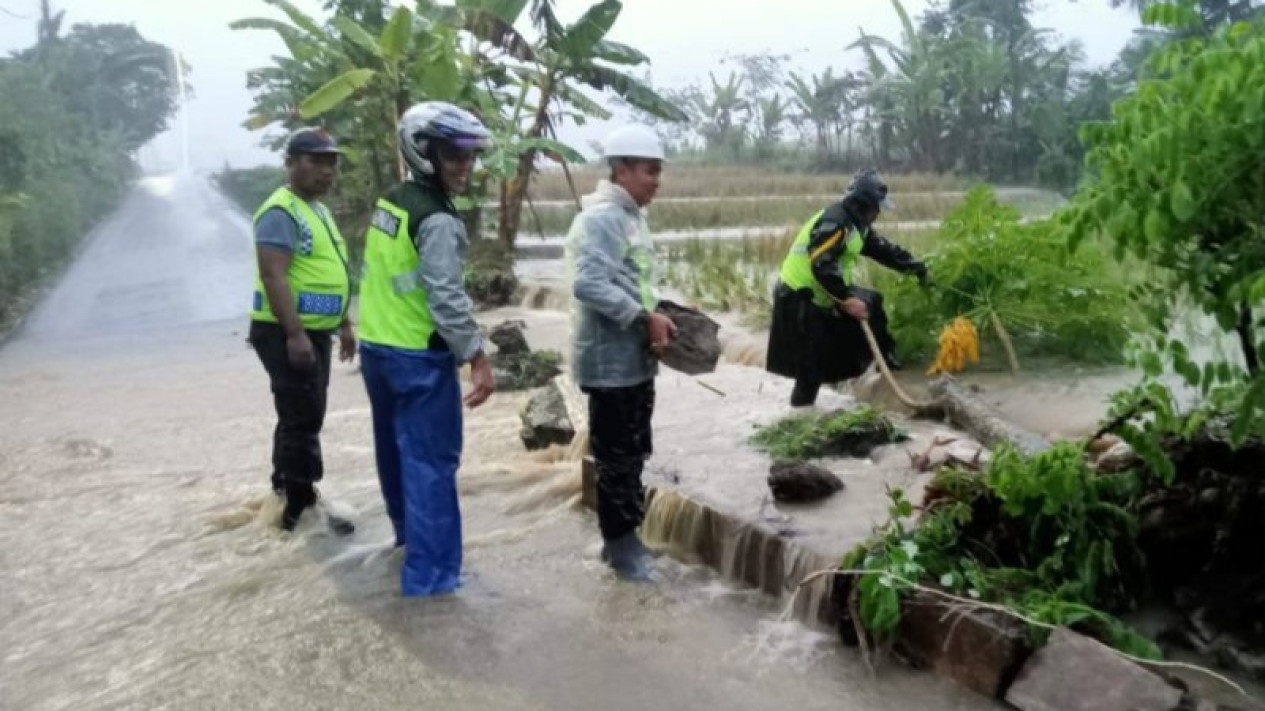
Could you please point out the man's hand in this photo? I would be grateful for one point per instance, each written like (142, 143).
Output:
(346, 343)
(660, 329)
(855, 308)
(299, 351)
(482, 379)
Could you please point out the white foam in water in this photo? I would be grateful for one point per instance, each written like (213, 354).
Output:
(782, 641)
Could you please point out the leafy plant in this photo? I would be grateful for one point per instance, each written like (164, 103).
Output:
(1044, 536)
(1179, 185)
(1013, 279)
(847, 432)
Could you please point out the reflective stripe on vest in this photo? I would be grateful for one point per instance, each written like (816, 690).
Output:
(640, 257)
(393, 308)
(317, 275)
(797, 268)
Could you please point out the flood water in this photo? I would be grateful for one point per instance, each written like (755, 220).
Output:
(140, 567)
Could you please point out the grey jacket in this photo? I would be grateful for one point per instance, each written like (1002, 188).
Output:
(610, 263)
(441, 244)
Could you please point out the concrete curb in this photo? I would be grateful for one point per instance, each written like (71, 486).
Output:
(983, 651)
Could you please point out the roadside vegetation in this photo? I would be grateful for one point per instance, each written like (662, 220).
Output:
(77, 105)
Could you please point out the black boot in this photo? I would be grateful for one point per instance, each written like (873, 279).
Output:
(630, 559)
(298, 496)
(804, 393)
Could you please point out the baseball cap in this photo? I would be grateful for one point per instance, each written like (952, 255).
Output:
(311, 140)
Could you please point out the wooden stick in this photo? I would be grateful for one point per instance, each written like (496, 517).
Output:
(918, 406)
(713, 389)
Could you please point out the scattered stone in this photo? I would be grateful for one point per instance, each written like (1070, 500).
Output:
(950, 451)
(526, 371)
(1101, 444)
(696, 348)
(492, 289)
(545, 419)
(1117, 458)
(515, 365)
(799, 482)
(1074, 673)
(509, 338)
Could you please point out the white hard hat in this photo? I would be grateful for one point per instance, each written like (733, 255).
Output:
(633, 141)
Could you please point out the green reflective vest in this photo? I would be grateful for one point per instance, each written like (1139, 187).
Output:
(317, 274)
(393, 308)
(797, 268)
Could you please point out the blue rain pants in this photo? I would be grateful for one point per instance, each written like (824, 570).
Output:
(415, 398)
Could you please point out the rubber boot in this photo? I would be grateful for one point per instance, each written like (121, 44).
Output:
(804, 393)
(298, 496)
(629, 557)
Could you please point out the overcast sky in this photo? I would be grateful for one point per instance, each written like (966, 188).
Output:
(683, 38)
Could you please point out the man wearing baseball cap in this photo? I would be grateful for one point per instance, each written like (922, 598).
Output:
(302, 292)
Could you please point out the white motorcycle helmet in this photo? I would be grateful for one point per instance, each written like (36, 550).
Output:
(431, 122)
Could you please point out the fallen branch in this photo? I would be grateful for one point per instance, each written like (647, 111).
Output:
(1119, 420)
(970, 604)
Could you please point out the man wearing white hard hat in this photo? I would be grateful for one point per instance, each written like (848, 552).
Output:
(617, 335)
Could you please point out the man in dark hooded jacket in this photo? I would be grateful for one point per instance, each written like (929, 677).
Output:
(816, 337)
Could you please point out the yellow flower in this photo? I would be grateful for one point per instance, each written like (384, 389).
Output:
(959, 342)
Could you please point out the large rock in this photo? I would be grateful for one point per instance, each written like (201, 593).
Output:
(525, 371)
(509, 338)
(1074, 673)
(545, 419)
(798, 482)
(979, 649)
(696, 348)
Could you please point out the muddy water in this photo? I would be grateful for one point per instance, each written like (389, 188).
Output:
(141, 568)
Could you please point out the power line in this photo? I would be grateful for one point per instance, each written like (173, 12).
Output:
(11, 13)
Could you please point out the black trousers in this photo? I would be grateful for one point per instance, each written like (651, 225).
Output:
(299, 397)
(620, 435)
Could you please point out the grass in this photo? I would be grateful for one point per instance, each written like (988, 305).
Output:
(694, 181)
(846, 432)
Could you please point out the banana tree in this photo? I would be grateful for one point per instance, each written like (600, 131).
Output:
(568, 59)
(826, 103)
(914, 89)
(363, 80)
(772, 113)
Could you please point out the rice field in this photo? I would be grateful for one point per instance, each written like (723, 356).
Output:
(695, 181)
(762, 210)
(739, 275)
